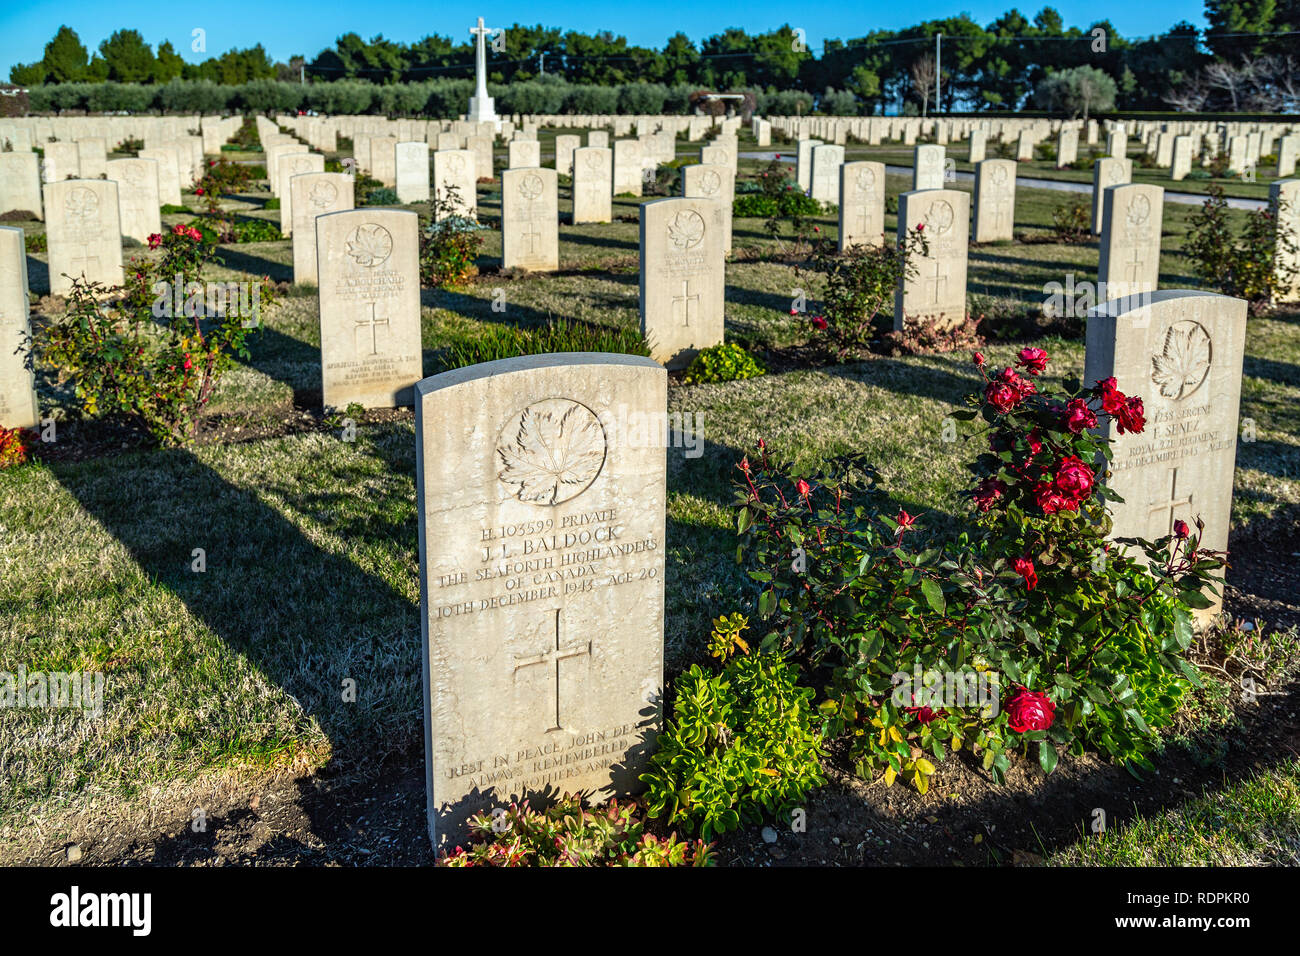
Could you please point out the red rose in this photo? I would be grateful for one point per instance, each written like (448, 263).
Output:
(978, 358)
(924, 714)
(1025, 568)
(905, 521)
(1181, 530)
(1034, 360)
(1002, 397)
(818, 322)
(1112, 399)
(155, 241)
(988, 492)
(1030, 710)
(1079, 416)
(1023, 386)
(1035, 440)
(1074, 478)
(179, 228)
(1051, 500)
(1131, 417)
(803, 488)
(920, 227)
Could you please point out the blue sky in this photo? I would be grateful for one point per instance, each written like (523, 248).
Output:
(286, 27)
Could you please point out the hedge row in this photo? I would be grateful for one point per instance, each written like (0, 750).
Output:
(439, 97)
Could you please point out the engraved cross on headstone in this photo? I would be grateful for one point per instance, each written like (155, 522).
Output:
(1172, 504)
(372, 322)
(531, 235)
(85, 259)
(1136, 266)
(553, 656)
(686, 300)
(939, 278)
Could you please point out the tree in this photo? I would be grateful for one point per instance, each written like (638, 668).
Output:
(923, 80)
(1230, 19)
(1078, 90)
(65, 58)
(168, 64)
(128, 58)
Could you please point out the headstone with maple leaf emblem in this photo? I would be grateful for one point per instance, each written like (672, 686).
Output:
(525, 152)
(862, 204)
(593, 181)
(138, 204)
(455, 180)
(995, 200)
(541, 489)
(83, 228)
(1129, 259)
(313, 195)
(683, 280)
(1181, 353)
(530, 230)
(936, 290)
(369, 293)
(290, 165)
(716, 182)
(17, 390)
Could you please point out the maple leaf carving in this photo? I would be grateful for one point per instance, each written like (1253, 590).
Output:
(686, 230)
(1181, 367)
(553, 451)
(370, 244)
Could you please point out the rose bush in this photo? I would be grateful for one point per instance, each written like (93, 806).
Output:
(1024, 632)
(154, 349)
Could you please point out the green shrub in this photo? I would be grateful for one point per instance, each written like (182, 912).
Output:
(508, 341)
(567, 835)
(754, 206)
(449, 244)
(742, 746)
(1072, 222)
(727, 362)
(36, 242)
(136, 354)
(272, 203)
(173, 209)
(1242, 266)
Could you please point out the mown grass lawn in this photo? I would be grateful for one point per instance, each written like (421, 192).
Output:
(310, 541)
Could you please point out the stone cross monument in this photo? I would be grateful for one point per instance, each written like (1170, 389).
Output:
(480, 104)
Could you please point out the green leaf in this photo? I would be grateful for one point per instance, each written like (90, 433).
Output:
(934, 596)
(1046, 756)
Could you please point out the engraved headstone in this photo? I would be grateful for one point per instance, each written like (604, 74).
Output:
(593, 175)
(84, 232)
(938, 289)
(682, 278)
(1107, 172)
(565, 144)
(412, 172)
(826, 162)
(455, 180)
(862, 204)
(627, 166)
(541, 488)
(92, 157)
(927, 168)
(169, 182)
(1181, 158)
(1284, 199)
(1129, 262)
(137, 196)
(803, 162)
(525, 153)
(1181, 353)
(369, 265)
(288, 166)
(712, 182)
(1067, 147)
(530, 237)
(314, 194)
(995, 200)
(978, 146)
(383, 159)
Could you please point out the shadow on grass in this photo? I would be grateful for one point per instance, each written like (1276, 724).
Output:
(306, 618)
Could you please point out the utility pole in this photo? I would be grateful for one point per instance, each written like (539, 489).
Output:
(542, 70)
(938, 52)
